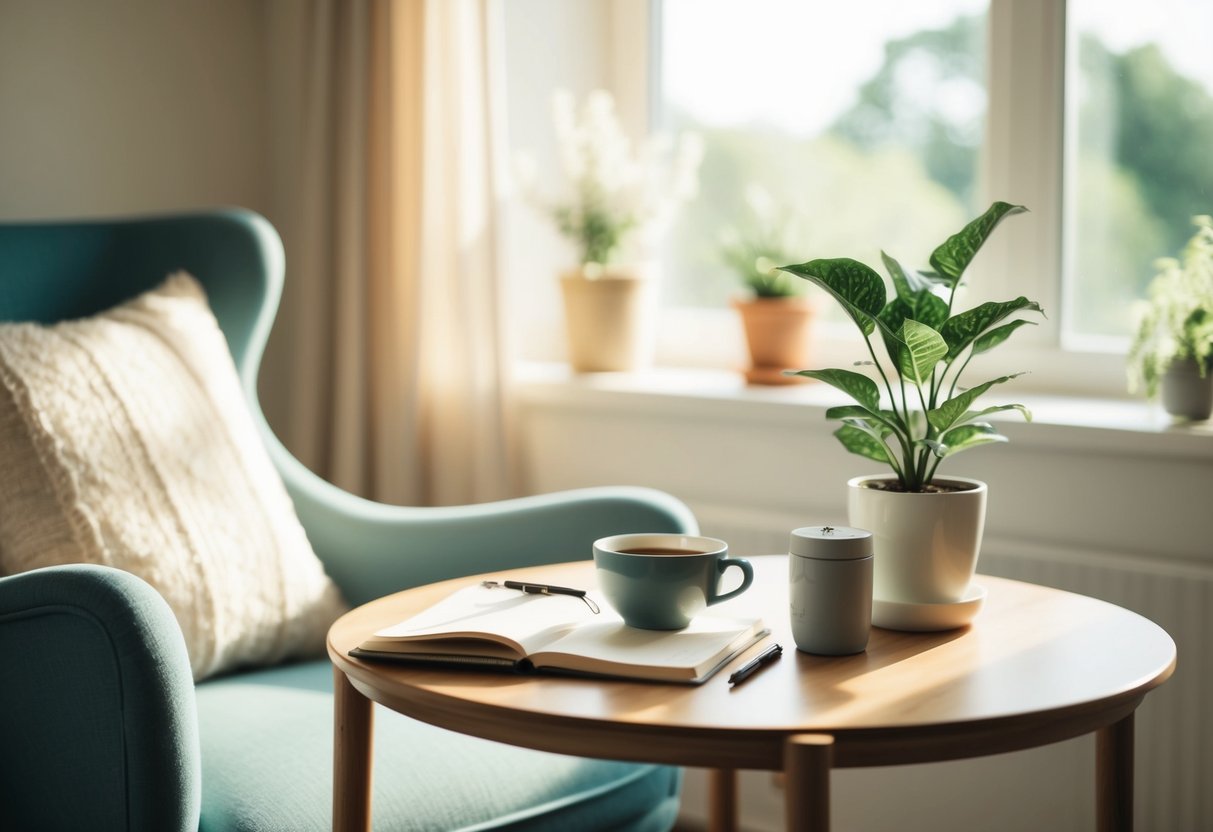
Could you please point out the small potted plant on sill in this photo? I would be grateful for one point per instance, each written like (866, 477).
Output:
(1172, 346)
(619, 201)
(775, 314)
(926, 530)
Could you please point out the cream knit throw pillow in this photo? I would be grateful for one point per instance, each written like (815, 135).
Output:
(125, 440)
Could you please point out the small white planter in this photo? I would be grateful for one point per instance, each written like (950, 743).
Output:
(925, 545)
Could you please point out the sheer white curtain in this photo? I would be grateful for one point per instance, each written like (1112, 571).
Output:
(387, 121)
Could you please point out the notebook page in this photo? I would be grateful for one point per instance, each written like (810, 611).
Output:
(531, 621)
(610, 640)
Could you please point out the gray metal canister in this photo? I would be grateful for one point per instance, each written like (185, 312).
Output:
(830, 589)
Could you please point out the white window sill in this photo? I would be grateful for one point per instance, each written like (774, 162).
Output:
(1067, 423)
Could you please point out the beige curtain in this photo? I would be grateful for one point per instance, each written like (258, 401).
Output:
(387, 372)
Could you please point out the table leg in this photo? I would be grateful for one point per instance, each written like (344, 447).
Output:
(807, 759)
(351, 757)
(722, 792)
(1114, 776)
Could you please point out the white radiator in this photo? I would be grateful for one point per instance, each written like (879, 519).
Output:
(1174, 737)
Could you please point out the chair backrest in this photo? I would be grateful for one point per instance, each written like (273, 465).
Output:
(58, 270)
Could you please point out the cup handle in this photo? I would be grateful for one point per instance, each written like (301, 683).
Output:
(747, 577)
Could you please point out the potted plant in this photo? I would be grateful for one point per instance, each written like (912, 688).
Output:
(926, 530)
(775, 315)
(1172, 346)
(619, 199)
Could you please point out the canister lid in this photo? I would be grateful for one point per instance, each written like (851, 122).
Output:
(831, 542)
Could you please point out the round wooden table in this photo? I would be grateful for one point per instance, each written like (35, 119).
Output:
(1036, 666)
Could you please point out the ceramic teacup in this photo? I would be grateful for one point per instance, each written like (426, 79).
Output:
(662, 581)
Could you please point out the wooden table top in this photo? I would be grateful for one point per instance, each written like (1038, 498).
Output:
(1037, 665)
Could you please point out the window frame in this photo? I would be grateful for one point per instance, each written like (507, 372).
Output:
(1024, 160)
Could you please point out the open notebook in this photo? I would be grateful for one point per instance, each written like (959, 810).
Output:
(505, 628)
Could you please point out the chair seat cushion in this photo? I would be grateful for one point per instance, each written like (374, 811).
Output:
(267, 765)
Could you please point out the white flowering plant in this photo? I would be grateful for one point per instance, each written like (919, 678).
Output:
(754, 248)
(1176, 322)
(616, 192)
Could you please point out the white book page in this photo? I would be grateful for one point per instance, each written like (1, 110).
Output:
(695, 648)
(528, 622)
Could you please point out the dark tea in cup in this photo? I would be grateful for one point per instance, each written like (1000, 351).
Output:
(658, 550)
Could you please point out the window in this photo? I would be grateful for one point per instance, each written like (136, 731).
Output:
(1140, 128)
(890, 123)
(851, 126)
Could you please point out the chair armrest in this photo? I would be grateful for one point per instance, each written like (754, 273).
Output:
(371, 549)
(98, 724)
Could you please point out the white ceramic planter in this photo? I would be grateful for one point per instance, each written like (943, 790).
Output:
(925, 545)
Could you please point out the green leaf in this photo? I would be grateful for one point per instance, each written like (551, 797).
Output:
(951, 411)
(973, 415)
(859, 387)
(914, 298)
(924, 348)
(858, 441)
(931, 310)
(877, 431)
(926, 308)
(963, 438)
(890, 321)
(938, 448)
(908, 285)
(851, 411)
(901, 283)
(963, 329)
(994, 337)
(857, 288)
(952, 258)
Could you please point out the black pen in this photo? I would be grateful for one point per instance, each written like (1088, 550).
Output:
(755, 664)
(546, 589)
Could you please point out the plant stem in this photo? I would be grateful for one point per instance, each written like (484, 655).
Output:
(906, 440)
(921, 399)
(934, 466)
(952, 295)
(888, 387)
(923, 453)
(897, 469)
(959, 373)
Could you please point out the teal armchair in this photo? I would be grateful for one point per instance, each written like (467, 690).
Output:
(101, 725)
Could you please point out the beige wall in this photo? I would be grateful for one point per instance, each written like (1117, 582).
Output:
(136, 106)
(127, 106)
(131, 106)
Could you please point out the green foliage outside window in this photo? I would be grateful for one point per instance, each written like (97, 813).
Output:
(1145, 133)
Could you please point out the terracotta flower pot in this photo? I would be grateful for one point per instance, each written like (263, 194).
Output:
(609, 319)
(777, 334)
